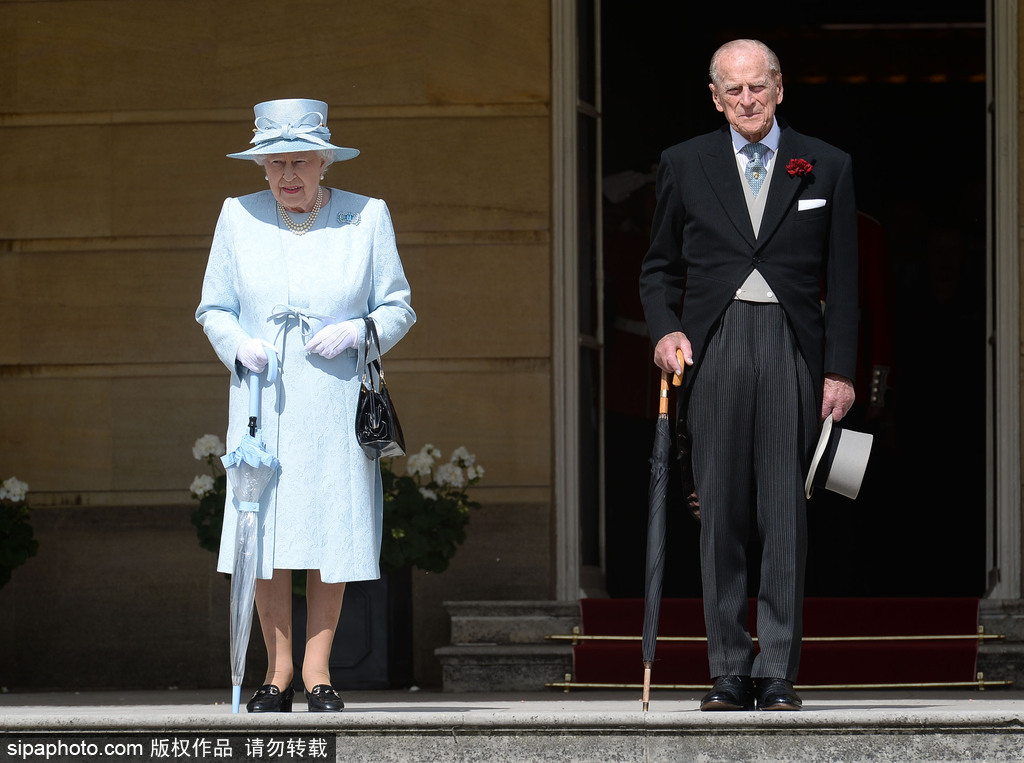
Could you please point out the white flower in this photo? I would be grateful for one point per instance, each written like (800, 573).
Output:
(430, 450)
(207, 445)
(429, 494)
(13, 489)
(474, 472)
(462, 457)
(419, 465)
(201, 485)
(449, 475)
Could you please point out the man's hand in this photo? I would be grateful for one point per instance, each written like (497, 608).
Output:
(838, 397)
(665, 352)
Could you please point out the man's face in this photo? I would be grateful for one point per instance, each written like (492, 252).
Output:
(747, 93)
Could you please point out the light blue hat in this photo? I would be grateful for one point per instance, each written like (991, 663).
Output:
(292, 124)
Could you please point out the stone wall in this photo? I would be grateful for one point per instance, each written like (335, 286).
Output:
(116, 598)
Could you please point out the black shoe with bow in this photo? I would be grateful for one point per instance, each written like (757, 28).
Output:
(730, 693)
(269, 699)
(777, 694)
(324, 699)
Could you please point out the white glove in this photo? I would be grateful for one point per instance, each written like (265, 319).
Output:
(252, 353)
(334, 339)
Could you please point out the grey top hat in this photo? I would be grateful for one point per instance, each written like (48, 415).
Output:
(840, 460)
(292, 124)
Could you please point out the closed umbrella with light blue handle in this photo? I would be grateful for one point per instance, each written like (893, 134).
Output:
(250, 468)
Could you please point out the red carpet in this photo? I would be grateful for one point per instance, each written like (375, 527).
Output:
(822, 663)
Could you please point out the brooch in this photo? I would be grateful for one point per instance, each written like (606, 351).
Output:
(349, 218)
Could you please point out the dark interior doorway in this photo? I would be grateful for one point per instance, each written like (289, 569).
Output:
(901, 87)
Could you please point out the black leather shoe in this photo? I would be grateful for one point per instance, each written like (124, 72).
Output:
(324, 699)
(730, 693)
(269, 699)
(777, 694)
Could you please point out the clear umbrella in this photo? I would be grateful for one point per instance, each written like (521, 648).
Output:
(249, 467)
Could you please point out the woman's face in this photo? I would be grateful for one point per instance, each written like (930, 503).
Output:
(294, 178)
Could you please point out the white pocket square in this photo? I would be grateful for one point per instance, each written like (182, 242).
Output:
(809, 204)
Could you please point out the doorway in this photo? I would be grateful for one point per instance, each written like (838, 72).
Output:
(902, 88)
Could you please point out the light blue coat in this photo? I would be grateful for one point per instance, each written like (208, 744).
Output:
(324, 509)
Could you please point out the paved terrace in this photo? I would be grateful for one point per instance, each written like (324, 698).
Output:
(926, 725)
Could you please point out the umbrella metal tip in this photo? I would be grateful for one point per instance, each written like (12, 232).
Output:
(236, 698)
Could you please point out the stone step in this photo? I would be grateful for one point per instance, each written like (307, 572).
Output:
(503, 667)
(510, 622)
(502, 646)
(541, 727)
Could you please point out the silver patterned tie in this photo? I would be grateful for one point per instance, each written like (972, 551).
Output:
(755, 171)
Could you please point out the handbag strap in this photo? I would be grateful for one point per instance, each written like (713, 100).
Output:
(372, 367)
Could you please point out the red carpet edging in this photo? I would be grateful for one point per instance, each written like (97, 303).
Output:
(876, 643)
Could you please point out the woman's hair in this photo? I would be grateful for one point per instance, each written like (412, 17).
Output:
(327, 154)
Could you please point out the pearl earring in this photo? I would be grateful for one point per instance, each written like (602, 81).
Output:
(266, 177)
(321, 177)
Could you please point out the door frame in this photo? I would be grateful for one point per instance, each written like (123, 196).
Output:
(564, 357)
(565, 109)
(1003, 405)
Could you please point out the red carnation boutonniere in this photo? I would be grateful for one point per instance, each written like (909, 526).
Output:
(799, 167)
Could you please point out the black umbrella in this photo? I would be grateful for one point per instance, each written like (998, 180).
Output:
(656, 533)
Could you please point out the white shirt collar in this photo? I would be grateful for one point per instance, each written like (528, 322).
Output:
(771, 140)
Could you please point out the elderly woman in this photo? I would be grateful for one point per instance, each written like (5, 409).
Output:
(294, 270)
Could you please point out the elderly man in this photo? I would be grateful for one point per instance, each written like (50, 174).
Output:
(755, 225)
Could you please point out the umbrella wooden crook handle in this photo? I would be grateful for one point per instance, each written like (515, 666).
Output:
(677, 379)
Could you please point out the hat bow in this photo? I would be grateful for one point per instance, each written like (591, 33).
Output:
(310, 127)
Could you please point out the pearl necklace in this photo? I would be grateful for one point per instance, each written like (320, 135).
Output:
(301, 230)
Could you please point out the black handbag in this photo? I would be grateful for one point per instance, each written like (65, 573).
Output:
(377, 429)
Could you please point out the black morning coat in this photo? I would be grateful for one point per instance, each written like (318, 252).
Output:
(703, 246)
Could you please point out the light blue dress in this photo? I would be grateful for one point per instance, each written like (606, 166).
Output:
(324, 509)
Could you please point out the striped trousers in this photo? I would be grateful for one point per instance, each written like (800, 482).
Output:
(753, 416)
